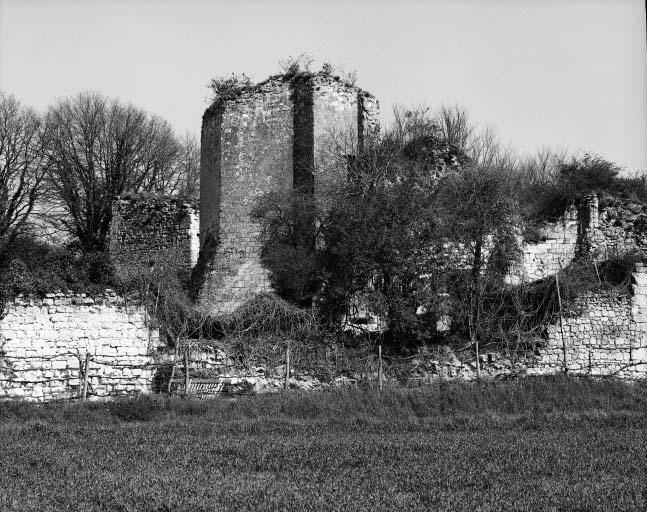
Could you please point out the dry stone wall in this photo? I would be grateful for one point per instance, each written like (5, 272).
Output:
(146, 228)
(44, 341)
(607, 335)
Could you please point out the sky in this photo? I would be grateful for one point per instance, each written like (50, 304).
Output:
(569, 74)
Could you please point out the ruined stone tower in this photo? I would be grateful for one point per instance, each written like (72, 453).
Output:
(274, 136)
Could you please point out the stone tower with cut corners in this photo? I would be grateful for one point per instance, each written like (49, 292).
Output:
(278, 135)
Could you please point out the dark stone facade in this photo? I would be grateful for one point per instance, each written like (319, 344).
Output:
(279, 135)
(145, 228)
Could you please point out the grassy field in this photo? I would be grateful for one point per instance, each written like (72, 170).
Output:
(535, 444)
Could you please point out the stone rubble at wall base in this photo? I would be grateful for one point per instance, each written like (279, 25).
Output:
(42, 342)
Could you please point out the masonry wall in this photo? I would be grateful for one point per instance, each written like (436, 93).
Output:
(255, 157)
(606, 335)
(616, 229)
(555, 250)
(588, 230)
(335, 132)
(143, 228)
(270, 137)
(43, 341)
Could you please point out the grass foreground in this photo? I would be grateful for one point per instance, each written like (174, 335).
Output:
(533, 444)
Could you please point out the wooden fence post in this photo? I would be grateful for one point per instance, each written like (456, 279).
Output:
(379, 368)
(84, 393)
(286, 385)
(187, 378)
(561, 321)
(175, 354)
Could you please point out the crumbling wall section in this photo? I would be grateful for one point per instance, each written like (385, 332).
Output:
(617, 229)
(254, 145)
(584, 231)
(555, 249)
(605, 335)
(283, 134)
(44, 342)
(368, 116)
(143, 229)
(336, 132)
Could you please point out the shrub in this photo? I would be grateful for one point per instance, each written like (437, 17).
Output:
(32, 267)
(292, 66)
(227, 87)
(268, 315)
(547, 201)
(162, 289)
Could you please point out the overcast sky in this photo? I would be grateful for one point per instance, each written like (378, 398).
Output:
(561, 73)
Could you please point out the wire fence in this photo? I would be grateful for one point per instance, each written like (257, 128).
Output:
(195, 370)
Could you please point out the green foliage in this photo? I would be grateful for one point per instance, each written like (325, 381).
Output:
(377, 237)
(32, 267)
(575, 179)
(327, 68)
(290, 241)
(228, 87)
(514, 317)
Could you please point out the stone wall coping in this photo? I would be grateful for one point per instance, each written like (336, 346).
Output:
(156, 202)
(59, 298)
(277, 82)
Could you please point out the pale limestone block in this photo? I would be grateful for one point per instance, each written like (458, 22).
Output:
(640, 354)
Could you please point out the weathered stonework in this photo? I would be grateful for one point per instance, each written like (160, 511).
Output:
(44, 341)
(555, 251)
(607, 335)
(143, 229)
(275, 136)
(584, 231)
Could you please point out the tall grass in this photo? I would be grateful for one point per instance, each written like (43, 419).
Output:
(530, 396)
(528, 445)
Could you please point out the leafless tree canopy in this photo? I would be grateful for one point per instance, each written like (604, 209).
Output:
(188, 167)
(22, 139)
(100, 149)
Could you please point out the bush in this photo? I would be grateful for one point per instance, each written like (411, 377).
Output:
(292, 66)
(576, 179)
(228, 87)
(32, 267)
(268, 315)
(162, 289)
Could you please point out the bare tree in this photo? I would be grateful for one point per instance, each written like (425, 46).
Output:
(22, 141)
(188, 167)
(478, 208)
(100, 149)
(453, 123)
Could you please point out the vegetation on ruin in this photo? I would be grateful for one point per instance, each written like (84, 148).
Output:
(228, 87)
(34, 267)
(536, 444)
(293, 68)
(427, 223)
(566, 182)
